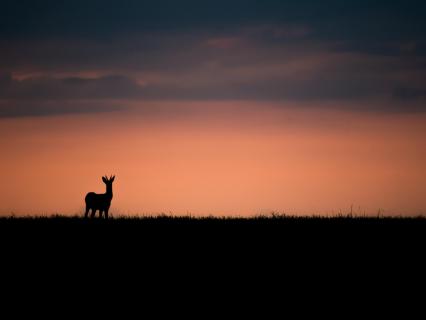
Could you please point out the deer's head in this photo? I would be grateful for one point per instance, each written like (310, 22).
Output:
(108, 181)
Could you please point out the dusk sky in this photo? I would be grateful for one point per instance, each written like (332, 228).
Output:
(235, 107)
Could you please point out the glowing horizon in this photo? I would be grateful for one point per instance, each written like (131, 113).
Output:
(242, 163)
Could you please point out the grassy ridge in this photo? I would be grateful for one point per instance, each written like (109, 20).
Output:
(260, 218)
(276, 222)
(186, 238)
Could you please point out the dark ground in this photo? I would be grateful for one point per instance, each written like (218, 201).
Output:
(268, 231)
(181, 263)
(170, 244)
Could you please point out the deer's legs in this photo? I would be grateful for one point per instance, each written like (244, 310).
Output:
(100, 214)
(93, 213)
(87, 212)
(106, 214)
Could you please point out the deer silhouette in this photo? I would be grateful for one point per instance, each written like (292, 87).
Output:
(100, 202)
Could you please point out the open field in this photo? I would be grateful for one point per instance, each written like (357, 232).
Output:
(169, 242)
(181, 227)
(261, 219)
(162, 216)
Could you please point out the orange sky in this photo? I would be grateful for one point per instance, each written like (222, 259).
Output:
(216, 158)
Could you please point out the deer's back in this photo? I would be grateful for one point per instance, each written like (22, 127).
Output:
(94, 200)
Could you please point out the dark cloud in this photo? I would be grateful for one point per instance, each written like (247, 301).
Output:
(324, 84)
(42, 96)
(49, 96)
(305, 50)
(319, 87)
(406, 93)
(5, 80)
(109, 87)
(44, 108)
(102, 18)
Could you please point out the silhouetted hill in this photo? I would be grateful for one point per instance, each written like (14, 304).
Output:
(270, 230)
(162, 256)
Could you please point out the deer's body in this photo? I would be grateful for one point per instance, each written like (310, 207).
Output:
(100, 202)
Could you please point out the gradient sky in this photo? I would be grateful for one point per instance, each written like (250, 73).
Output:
(214, 107)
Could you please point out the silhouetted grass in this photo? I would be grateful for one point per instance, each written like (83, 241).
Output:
(171, 219)
(158, 236)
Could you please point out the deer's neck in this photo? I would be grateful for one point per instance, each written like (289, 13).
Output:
(109, 191)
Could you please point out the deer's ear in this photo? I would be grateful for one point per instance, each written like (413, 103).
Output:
(104, 180)
(112, 178)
